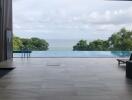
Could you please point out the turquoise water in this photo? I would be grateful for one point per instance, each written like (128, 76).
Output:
(91, 54)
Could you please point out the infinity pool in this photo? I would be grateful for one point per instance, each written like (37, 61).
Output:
(90, 54)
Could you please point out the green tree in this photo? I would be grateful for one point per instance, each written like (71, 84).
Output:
(32, 44)
(26, 43)
(98, 45)
(17, 43)
(121, 40)
(38, 44)
(81, 46)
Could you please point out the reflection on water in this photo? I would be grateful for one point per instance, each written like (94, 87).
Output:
(121, 53)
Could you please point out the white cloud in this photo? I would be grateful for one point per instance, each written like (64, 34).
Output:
(115, 17)
(70, 18)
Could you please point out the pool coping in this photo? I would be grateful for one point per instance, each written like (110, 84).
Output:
(70, 57)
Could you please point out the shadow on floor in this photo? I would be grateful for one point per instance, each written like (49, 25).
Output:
(122, 67)
(4, 71)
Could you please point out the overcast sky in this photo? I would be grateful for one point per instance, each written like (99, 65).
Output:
(70, 19)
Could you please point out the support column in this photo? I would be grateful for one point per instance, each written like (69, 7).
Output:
(5, 29)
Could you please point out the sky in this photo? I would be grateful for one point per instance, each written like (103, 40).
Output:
(70, 19)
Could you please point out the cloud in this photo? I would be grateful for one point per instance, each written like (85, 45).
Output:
(70, 18)
(115, 17)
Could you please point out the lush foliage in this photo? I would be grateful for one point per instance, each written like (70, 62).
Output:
(120, 41)
(17, 43)
(81, 45)
(32, 44)
(98, 45)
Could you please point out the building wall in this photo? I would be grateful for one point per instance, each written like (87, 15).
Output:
(5, 29)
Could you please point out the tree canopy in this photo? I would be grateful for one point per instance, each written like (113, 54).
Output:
(81, 45)
(32, 44)
(119, 41)
(17, 43)
(98, 45)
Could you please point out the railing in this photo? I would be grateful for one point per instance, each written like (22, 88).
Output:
(25, 53)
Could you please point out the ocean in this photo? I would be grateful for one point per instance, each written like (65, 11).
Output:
(61, 44)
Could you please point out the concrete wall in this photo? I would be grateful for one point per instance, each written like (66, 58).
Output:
(5, 29)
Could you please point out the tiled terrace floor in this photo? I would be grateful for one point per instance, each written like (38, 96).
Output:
(65, 79)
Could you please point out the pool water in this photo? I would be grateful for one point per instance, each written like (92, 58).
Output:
(89, 54)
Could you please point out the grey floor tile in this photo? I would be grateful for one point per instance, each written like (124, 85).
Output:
(65, 79)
